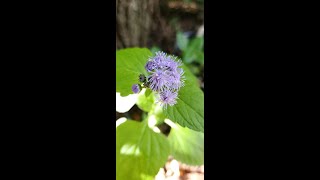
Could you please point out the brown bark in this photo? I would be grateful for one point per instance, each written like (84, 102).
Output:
(134, 22)
(140, 23)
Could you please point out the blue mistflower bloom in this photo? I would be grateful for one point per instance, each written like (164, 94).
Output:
(172, 63)
(176, 79)
(165, 77)
(167, 98)
(165, 72)
(150, 66)
(158, 80)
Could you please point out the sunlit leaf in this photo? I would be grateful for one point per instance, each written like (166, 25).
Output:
(140, 152)
(130, 64)
(189, 110)
(187, 145)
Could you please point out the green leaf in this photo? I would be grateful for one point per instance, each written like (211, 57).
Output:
(182, 41)
(191, 52)
(145, 102)
(157, 113)
(140, 152)
(189, 110)
(129, 65)
(190, 78)
(196, 44)
(199, 57)
(187, 145)
(148, 92)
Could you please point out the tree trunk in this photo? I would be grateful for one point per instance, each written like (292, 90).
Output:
(134, 22)
(140, 23)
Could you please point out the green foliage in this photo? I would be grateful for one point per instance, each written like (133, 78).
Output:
(140, 152)
(187, 145)
(129, 65)
(189, 110)
(192, 49)
(141, 149)
(182, 41)
(157, 113)
(145, 101)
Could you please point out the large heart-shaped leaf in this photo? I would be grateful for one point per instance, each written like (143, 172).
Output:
(187, 145)
(189, 110)
(140, 152)
(129, 65)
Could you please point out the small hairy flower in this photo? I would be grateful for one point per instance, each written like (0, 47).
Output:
(136, 88)
(165, 72)
(176, 79)
(158, 80)
(165, 77)
(150, 66)
(167, 98)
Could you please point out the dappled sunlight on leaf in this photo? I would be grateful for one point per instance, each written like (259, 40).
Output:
(144, 101)
(139, 150)
(130, 149)
(187, 145)
(152, 121)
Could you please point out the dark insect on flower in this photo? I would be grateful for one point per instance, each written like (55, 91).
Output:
(136, 88)
(142, 78)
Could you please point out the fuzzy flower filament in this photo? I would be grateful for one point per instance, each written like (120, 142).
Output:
(167, 98)
(165, 78)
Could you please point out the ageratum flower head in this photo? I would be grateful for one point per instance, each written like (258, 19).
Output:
(165, 72)
(168, 97)
(166, 77)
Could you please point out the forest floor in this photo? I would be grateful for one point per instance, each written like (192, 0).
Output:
(174, 170)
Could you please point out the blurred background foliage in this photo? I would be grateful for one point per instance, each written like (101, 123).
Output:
(175, 27)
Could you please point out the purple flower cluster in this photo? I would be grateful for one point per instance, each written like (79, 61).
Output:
(165, 78)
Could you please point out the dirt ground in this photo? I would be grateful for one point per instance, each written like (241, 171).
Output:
(174, 170)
